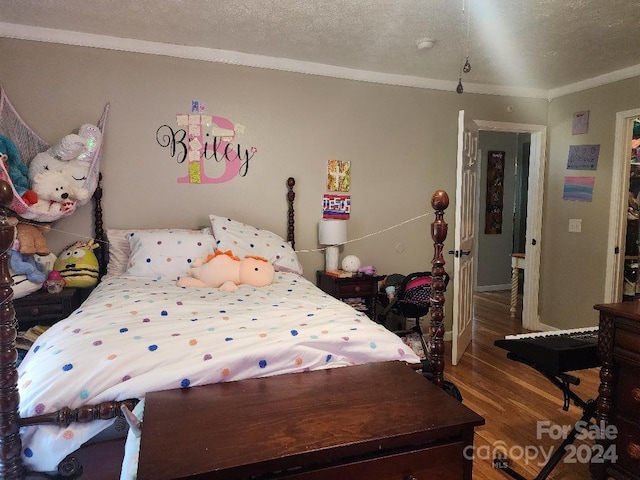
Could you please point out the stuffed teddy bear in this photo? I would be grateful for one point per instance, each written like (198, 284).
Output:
(31, 238)
(18, 171)
(56, 192)
(26, 265)
(226, 271)
(57, 155)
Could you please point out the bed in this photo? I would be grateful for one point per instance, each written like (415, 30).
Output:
(138, 333)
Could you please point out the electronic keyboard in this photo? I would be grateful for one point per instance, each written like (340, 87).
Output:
(556, 351)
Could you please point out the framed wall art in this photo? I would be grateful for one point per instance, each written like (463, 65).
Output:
(495, 192)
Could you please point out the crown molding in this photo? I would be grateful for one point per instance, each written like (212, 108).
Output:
(598, 81)
(66, 37)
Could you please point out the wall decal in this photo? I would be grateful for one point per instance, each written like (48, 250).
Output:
(495, 192)
(336, 206)
(578, 189)
(203, 142)
(338, 175)
(583, 157)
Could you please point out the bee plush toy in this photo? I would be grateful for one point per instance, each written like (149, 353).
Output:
(78, 265)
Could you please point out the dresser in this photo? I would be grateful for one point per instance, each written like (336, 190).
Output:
(619, 393)
(378, 421)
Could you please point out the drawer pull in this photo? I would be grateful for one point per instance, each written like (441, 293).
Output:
(357, 288)
(633, 449)
(35, 311)
(410, 477)
(635, 394)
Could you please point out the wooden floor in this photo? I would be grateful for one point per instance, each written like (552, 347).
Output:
(513, 397)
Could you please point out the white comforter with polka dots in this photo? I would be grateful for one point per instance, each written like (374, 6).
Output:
(134, 336)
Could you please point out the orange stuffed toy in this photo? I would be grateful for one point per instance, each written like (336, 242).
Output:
(226, 271)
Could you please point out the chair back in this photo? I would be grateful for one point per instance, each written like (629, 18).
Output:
(414, 294)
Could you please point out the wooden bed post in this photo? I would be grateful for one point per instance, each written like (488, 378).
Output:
(291, 196)
(439, 203)
(11, 467)
(98, 228)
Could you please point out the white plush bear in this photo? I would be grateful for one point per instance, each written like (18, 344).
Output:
(55, 158)
(56, 192)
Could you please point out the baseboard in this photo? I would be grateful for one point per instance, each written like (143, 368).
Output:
(493, 288)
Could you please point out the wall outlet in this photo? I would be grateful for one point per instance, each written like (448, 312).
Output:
(575, 225)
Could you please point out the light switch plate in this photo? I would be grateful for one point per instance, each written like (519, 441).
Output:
(575, 225)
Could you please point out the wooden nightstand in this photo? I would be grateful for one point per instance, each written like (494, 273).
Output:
(44, 308)
(359, 286)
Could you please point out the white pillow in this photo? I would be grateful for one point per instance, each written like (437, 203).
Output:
(243, 239)
(167, 254)
(119, 250)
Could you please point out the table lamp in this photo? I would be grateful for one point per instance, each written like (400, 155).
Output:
(332, 233)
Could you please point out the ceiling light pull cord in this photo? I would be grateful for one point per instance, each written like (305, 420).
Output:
(367, 236)
(460, 88)
(466, 66)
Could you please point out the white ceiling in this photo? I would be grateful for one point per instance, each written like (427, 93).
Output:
(537, 46)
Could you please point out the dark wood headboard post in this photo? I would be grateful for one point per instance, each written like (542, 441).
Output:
(98, 227)
(439, 203)
(11, 467)
(291, 196)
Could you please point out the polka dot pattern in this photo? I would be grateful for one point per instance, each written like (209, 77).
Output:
(156, 336)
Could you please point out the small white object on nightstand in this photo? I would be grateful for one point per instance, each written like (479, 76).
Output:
(350, 263)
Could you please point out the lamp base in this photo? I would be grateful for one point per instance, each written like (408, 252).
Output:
(331, 258)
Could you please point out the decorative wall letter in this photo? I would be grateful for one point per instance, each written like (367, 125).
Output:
(200, 138)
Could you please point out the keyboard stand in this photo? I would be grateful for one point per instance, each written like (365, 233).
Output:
(563, 381)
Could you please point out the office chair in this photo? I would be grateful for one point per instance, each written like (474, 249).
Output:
(411, 301)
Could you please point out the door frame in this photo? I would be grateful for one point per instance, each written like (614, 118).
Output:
(535, 196)
(618, 205)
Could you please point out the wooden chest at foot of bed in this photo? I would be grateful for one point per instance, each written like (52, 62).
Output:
(379, 420)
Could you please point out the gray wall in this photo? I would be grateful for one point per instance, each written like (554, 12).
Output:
(573, 264)
(401, 143)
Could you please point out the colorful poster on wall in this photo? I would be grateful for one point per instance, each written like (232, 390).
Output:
(583, 157)
(336, 206)
(338, 175)
(580, 123)
(578, 189)
(495, 192)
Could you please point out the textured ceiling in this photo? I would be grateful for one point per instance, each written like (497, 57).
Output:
(537, 44)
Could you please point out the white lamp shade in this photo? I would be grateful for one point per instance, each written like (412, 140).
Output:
(332, 232)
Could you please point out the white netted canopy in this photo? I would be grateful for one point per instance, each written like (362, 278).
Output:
(29, 144)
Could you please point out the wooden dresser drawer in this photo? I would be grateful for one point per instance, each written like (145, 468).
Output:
(627, 344)
(628, 446)
(43, 308)
(441, 462)
(628, 392)
(346, 288)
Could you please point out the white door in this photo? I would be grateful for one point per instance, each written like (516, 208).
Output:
(464, 236)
